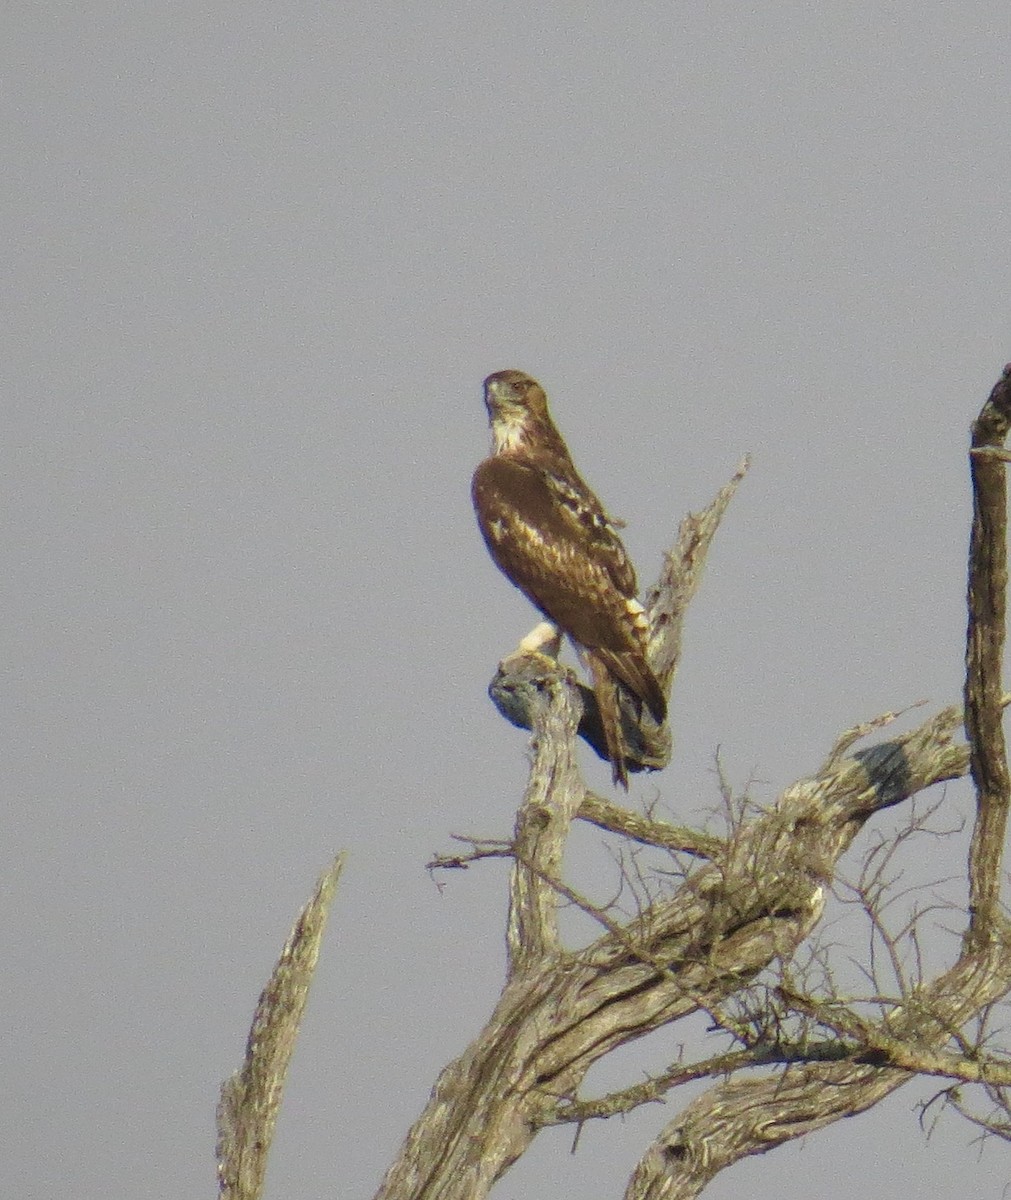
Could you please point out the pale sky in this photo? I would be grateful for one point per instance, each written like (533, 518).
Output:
(259, 261)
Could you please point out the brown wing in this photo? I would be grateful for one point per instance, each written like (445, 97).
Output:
(590, 525)
(565, 557)
(636, 674)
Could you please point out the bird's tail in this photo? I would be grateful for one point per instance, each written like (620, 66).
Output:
(605, 688)
(636, 674)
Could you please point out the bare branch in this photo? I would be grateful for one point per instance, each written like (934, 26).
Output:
(984, 660)
(563, 1011)
(480, 848)
(849, 738)
(996, 1124)
(742, 1117)
(251, 1098)
(870, 1041)
(652, 1090)
(650, 832)
(553, 795)
(667, 601)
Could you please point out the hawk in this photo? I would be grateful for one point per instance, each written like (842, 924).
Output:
(550, 536)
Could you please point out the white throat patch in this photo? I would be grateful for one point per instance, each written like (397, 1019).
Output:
(508, 431)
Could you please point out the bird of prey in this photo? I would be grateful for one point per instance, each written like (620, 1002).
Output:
(550, 536)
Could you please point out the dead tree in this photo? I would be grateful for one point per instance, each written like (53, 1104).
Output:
(725, 935)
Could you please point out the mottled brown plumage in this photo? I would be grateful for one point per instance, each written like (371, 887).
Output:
(548, 533)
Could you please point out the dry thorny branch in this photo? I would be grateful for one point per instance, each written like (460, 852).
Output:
(726, 929)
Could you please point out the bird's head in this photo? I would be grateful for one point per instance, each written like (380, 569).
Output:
(517, 409)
